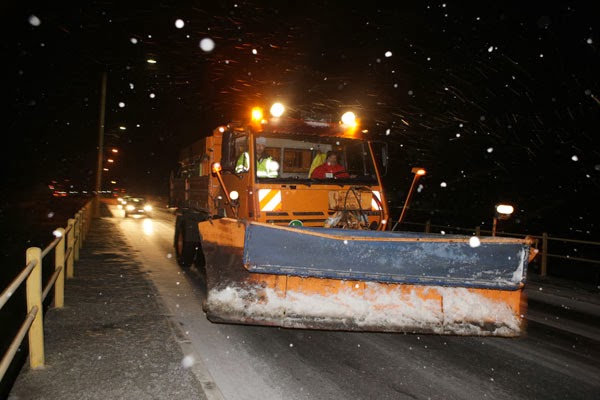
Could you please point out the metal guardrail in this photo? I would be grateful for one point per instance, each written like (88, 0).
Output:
(66, 246)
(545, 239)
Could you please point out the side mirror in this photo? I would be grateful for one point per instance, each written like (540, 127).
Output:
(381, 154)
(384, 156)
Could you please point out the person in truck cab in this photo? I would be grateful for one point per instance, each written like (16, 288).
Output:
(266, 167)
(318, 160)
(330, 169)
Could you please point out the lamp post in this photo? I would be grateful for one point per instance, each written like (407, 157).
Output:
(100, 144)
(503, 211)
(419, 172)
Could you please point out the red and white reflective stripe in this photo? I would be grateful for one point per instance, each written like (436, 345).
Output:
(269, 199)
(374, 203)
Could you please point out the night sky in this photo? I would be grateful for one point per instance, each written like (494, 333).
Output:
(499, 101)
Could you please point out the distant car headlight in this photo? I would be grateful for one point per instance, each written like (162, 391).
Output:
(147, 207)
(129, 207)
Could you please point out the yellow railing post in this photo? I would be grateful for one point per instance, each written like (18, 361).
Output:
(84, 223)
(70, 250)
(544, 269)
(59, 262)
(34, 299)
(77, 236)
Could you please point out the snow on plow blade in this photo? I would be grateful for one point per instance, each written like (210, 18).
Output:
(320, 278)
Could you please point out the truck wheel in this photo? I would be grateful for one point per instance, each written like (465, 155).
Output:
(184, 250)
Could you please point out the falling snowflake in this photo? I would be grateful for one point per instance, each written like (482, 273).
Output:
(34, 20)
(207, 45)
(188, 361)
(474, 241)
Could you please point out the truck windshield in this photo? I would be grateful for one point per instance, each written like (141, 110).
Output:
(298, 157)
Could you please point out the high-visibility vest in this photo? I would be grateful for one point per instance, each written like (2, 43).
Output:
(318, 160)
(265, 168)
(243, 163)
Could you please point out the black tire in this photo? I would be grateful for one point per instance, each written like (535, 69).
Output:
(185, 251)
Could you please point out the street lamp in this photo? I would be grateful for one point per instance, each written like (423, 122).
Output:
(503, 211)
(419, 172)
(100, 144)
(111, 160)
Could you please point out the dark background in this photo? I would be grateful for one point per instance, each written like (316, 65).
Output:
(498, 101)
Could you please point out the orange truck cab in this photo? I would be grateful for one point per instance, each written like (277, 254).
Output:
(291, 197)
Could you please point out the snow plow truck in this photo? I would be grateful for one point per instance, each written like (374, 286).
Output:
(286, 249)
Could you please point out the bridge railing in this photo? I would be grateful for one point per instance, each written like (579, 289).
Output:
(66, 246)
(543, 243)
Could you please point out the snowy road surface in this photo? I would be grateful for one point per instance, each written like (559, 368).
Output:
(558, 358)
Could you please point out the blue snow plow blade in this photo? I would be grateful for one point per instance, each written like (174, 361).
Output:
(388, 257)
